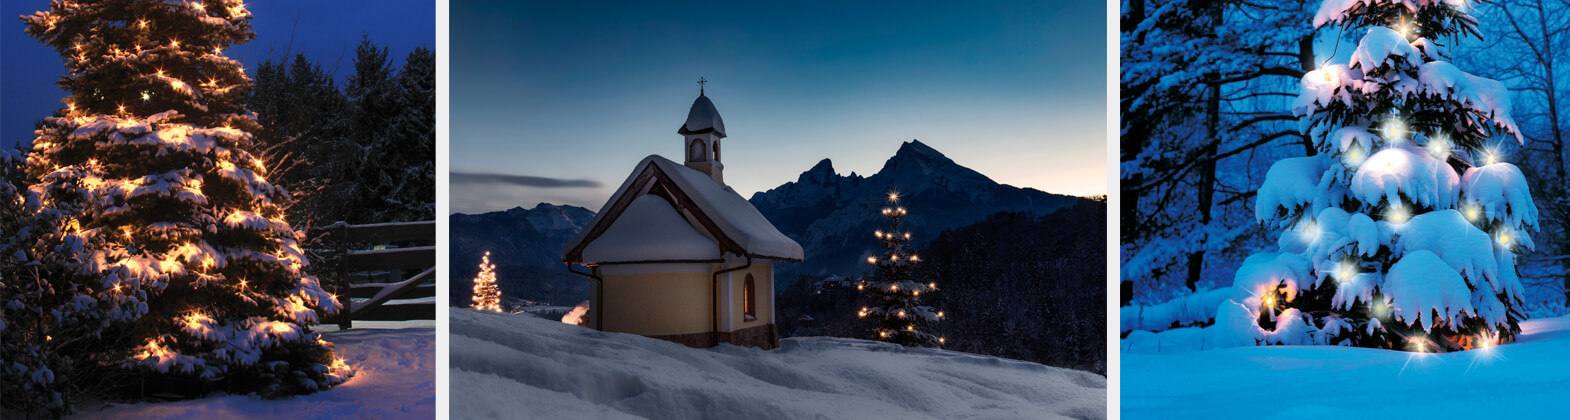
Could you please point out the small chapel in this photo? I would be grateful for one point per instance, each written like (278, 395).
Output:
(676, 254)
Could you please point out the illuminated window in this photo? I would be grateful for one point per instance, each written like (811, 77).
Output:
(749, 295)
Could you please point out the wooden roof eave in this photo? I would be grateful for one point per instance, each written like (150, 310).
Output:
(649, 177)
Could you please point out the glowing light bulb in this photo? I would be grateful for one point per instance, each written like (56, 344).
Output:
(1397, 214)
(1270, 301)
(893, 196)
(122, 109)
(1504, 238)
(940, 314)
(1439, 145)
(1491, 157)
(915, 293)
(1472, 213)
(145, 96)
(1395, 131)
(1346, 271)
(901, 313)
(174, 43)
(142, 23)
(1354, 157)
(940, 340)
(894, 287)
(177, 84)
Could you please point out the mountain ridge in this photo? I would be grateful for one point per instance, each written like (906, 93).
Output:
(829, 214)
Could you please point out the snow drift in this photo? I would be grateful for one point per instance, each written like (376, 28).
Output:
(1526, 379)
(395, 378)
(503, 365)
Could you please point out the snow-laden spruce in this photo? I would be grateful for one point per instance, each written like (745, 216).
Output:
(152, 256)
(1402, 231)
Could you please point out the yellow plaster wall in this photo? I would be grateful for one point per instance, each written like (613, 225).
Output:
(658, 303)
(763, 278)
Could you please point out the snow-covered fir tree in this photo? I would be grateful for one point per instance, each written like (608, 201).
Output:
(173, 270)
(895, 298)
(1402, 233)
(487, 295)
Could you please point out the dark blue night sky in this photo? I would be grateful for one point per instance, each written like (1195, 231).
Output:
(583, 90)
(325, 31)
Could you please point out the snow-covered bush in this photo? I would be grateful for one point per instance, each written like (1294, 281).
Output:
(1403, 230)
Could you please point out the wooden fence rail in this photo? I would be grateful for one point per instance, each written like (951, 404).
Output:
(374, 297)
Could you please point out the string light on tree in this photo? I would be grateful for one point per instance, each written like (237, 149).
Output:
(894, 297)
(1404, 181)
(183, 262)
(487, 295)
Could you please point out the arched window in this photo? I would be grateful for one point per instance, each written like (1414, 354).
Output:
(749, 295)
(696, 151)
(716, 150)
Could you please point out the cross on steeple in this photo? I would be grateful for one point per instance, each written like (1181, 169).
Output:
(701, 81)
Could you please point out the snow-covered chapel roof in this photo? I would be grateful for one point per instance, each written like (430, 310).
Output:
(713, 210)
(651, 230)
(703, 118)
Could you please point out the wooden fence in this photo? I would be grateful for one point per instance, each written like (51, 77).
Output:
(368, 301)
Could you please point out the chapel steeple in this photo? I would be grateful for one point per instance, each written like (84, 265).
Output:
(701, 136)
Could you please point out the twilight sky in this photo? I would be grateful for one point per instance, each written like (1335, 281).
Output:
(325, 31)
(565, 97)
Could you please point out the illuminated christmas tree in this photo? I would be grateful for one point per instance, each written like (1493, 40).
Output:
(487, 295)
(167, 266)
(1402, 232)
(895, 297)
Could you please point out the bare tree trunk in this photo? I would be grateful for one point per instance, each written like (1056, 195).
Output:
(1557, 142)
(1305, 59)
(1130, 144)
(1207, 170)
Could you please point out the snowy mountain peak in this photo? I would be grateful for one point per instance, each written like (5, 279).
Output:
(820, 174)
(916, 159)
(915, 147)
(825, 212)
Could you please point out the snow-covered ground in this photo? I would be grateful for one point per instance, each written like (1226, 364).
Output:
(505, 364)
(395, 378)
(1527, 379)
